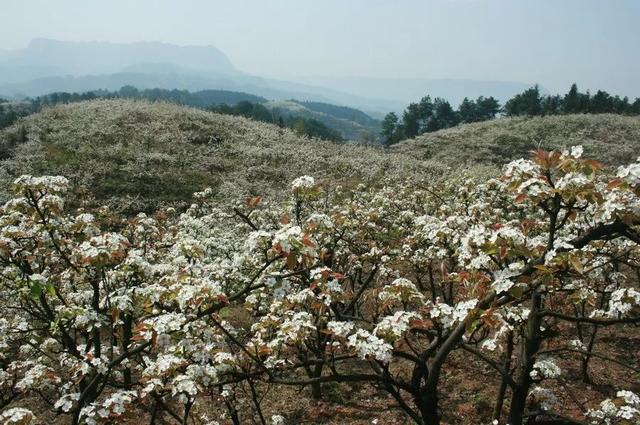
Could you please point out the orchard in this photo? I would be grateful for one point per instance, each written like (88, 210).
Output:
(191, 316)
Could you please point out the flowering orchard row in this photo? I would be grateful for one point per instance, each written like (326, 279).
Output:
(105, 317)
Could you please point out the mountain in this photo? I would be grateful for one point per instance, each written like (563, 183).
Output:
(85, 58)
(46, 66)
(173, 77)
(613, 139)
(138, 155)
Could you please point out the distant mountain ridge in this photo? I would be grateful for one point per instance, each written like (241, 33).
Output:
(82, 58)
(46, 66)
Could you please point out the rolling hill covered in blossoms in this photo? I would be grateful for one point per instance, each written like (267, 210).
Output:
(613, 139)
(139, 155)
(167, 265)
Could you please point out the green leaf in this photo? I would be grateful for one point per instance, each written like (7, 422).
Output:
(516, 291)
(36, 290)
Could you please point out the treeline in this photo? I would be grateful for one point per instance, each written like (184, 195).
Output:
(301, 125)
(10, 112)
(532, 103)
(220, 101)
(432, 115)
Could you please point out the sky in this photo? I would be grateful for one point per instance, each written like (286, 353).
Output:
(550, 42)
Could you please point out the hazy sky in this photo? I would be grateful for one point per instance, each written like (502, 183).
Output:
(552, 42)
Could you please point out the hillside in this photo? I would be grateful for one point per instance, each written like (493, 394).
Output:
(139, 155)
(351, 123)
(344, 123)
(614, 139)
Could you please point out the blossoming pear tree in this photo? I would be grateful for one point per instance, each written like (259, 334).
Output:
(176, 315)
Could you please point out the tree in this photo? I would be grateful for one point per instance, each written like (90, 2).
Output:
(129, 92)
(426, 110)
(575, 102)
(468, 111)
(411, 120)
(482, 109)
(635, 107)
(488, 107)
(108, 318)
(443, 116)
(389, 128)
(527, 103)
(551, 105)
(601, 102)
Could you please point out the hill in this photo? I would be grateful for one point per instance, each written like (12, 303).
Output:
(46, 66)
(338, 122)
(614, 139)
(137, 155)
(351, 123)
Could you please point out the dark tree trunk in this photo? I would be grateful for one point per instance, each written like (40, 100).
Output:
(126, 340)
(316, 387)
(502, 391)
(428, 405)
(530, 346)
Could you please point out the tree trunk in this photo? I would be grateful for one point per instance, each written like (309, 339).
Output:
(428, 405)
(530, 346)
(497, 411)
(316, 387)
(126, 340)
(518, 405)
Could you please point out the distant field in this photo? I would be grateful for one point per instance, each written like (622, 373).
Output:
(614, 139)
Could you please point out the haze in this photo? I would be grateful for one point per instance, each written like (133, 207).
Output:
(545, 41)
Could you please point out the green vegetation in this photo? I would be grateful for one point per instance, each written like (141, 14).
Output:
(313, 119)
(10, 112)
(303, 126)
(343, 112)
(350, 123)
(532, 103)
(614, 139)
(428, 116)
(141, 155)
